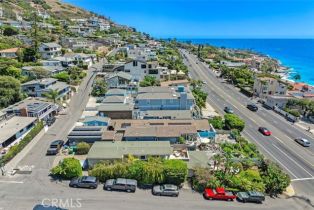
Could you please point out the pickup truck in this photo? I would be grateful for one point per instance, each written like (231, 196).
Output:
(120, 184)
(251, 196)
(218, 194)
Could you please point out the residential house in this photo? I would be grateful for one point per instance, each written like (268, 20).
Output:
(52, 70)
(165, 114)
(264, 86)
(14, 129)
(96, 121)
(279, 101)
(49, 50)
(119, 80)
(81, 30)
(32, 107)
(76, 43)
(116, 110)
(38, 88)
(112, 151)
(82, 58)
(88, 134)
(116, 92)
(140, 68)
(164, 130)
(9, 53)
(164, 98)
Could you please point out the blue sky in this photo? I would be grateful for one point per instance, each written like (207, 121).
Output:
(211, 18)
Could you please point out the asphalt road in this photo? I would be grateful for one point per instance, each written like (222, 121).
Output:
(280, 147)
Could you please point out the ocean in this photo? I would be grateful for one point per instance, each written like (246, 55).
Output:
(296, 54)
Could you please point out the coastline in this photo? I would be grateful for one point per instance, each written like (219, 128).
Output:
(293, 55)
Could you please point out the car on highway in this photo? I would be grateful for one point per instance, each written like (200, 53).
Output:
(228, 110)
(166, 190)
(55, 147)
(304, 142)
(84, 182)
(264, 131)
(218, 194)
(204, 82)
(252, 107)
(251, 196)
(121, 184)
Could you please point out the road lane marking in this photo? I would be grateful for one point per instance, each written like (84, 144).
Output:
(292, 160)
(278, 139)
(279, 162)
(302, 179)
(11, 182)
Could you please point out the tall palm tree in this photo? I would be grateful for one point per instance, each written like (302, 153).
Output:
(52, 95)
(297, 77)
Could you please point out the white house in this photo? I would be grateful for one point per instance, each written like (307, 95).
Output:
(49, 50)
(139, 69)
(264, 86)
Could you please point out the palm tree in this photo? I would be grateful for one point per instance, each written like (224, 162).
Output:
(52, 95)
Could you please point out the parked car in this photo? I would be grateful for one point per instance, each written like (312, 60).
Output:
(303, 142)
(55, 147)
(204, 82)
(84, 182)
(228, 110)
(251, 196)
(50, 121)
(47, 207)
(166, 190)
(218, 194)
(120, 184)
(252, 107)
(264, 131)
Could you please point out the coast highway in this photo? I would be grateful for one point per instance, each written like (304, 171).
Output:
(297, 161)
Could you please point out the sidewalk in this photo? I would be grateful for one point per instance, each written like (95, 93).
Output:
(305, 125)
(12, 164)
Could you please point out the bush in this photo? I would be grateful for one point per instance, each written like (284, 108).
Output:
(201, 178)
(14, 150)
(275, 180)
(175, 171)
(82, 148)
(217, 122)
(232, 121)
(152, 171)
(67, 169)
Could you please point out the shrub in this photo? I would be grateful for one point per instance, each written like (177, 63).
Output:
(14, 150)
(217, 122)
(175, 171)
(232, 121)
(67, 169)
(201, 178)
(82, 148)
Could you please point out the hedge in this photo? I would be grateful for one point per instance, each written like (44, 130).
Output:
(153, 171)
(67, 169)
(82, 148)
(14, 150)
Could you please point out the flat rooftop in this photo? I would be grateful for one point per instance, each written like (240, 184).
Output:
(12, 126)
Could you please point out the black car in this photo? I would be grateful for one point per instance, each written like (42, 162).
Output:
(120, 184)
(252, 107)
(55, 147)
(251, 196)
(84, 182)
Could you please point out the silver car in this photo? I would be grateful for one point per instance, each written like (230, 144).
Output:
(303, 142)
(166, 190)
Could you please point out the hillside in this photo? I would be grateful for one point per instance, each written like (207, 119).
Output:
(55, 8)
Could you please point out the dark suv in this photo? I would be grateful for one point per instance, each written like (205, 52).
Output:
(84, 182)
(120, 184)
(251, 196)
(55, 147)
(252, 107)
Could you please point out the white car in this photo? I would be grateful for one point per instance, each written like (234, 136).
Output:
(303, 142)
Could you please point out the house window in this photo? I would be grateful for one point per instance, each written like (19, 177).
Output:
(143, 157)
(143, 66)
(153, 71)
(149, 66)
(134, 63)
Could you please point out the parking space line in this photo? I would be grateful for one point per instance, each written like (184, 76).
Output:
(11, 182)
(302, 179)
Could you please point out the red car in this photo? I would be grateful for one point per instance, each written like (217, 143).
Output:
(218, 194)
(264, 131)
